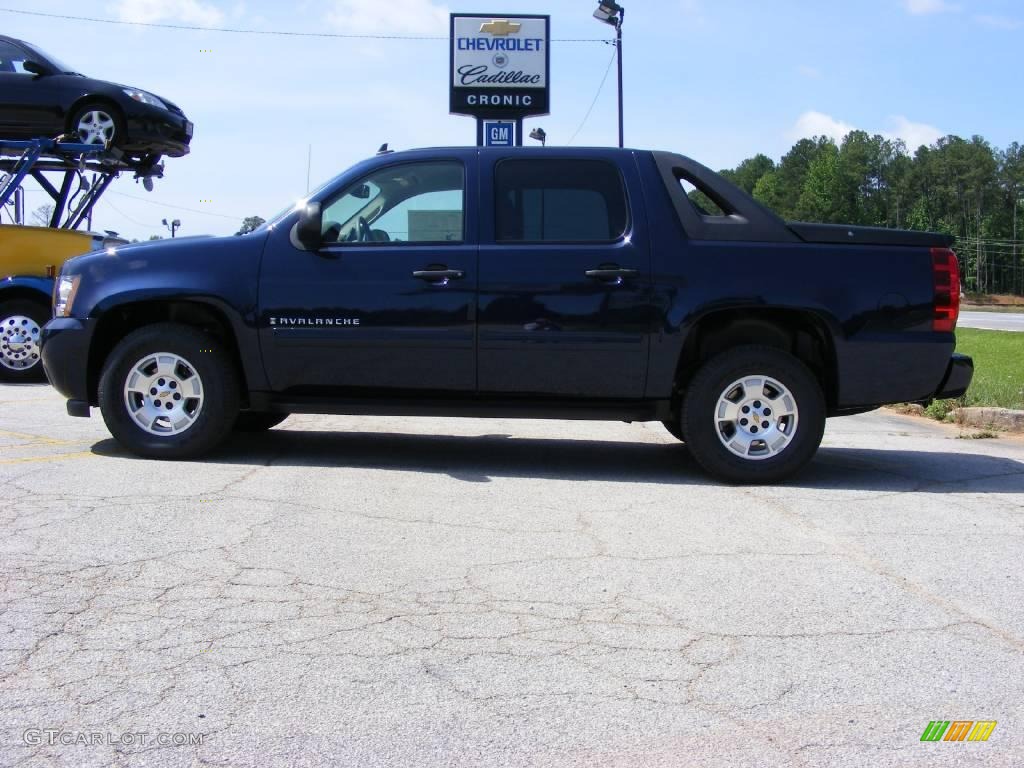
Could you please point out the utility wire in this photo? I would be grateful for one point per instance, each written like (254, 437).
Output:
(125, 215)
(596, 96)
(240, 31)
(176, 207)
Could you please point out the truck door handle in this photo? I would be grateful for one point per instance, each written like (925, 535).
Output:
(611, 273)
(439, 276)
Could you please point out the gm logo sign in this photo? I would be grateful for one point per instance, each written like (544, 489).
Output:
(497, 134)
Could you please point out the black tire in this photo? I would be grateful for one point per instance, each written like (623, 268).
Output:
(258, 421)
(702, 427)
(118, 135)
(21, 320)
(209, 361)
(675, 429)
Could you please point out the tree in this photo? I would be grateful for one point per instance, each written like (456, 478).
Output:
(249, 224)
(750, 171)
(42, 215)
(822, 198)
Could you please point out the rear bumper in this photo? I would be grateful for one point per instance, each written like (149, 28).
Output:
(65, 351)
(958, 377)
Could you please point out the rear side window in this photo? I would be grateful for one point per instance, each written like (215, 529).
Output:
(567, 201)
(12, 59)
(701, 197)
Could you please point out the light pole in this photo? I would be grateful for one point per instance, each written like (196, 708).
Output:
(1019, 198)
(539, 134)
(614, 14)
(174, 226)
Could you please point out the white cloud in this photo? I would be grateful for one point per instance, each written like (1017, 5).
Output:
(925, 7)
(181, 11)
(913, 134)
(999, 22)
(394, 17)
(811, 124)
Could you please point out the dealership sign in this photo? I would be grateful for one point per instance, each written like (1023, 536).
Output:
(499, 65)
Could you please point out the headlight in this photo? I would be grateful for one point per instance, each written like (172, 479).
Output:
(64, 296)
(145, 98)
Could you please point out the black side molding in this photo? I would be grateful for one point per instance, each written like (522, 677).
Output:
(833, 234)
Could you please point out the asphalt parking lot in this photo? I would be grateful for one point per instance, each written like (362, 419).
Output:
(383, 591)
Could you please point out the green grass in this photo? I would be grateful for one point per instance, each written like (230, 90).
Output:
(998, 369)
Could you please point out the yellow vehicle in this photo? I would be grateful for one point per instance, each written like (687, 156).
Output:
(30, 257)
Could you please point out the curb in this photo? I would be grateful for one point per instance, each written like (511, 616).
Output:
(994, 418)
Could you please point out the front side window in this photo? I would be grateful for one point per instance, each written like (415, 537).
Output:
(569, 201)
(412, 203)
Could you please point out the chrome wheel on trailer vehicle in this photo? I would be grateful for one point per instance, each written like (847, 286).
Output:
(19, 342)
(21, 323)
(163, 394)
(756, 418)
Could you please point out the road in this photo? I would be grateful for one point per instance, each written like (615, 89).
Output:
(992, 321)
(400, 592)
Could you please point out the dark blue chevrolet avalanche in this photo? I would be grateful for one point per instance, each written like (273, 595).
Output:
(542, 283)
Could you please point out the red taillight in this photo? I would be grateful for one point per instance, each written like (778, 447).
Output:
(946, 278)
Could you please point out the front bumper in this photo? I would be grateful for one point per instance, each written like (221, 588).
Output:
(958, 377)
(65, 346)
(159, 130)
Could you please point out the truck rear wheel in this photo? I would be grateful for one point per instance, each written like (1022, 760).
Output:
(753, 415)
(21, 323)
(169, 391)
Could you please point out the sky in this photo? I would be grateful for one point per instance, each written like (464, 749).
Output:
(718, 80)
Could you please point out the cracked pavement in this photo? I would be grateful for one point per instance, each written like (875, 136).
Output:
(391, 591)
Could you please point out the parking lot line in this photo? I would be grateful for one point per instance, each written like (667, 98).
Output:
(36, 439)
(53, 457)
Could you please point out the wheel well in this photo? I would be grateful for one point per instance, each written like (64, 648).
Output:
(90, 100)
(801, 334)
(118, 322)
(21, 293)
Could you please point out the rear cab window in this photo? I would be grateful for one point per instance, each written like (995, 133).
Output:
(559, 201)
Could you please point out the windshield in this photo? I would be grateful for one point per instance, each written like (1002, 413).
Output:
(59, 65)
(273, 220)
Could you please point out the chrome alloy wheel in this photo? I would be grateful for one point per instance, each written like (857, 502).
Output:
(19, 342)
(96, 127)
(756, 418)
(163, 394)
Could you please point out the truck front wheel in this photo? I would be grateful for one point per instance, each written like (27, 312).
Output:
(753, 415)
(169, 391)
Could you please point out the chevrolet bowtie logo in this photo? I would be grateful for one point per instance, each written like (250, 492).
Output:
(501, 27)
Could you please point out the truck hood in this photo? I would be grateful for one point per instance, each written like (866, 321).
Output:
(184, 254)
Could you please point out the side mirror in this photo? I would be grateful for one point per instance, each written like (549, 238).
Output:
(362, 192)
(36, 68)
(309, 229)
